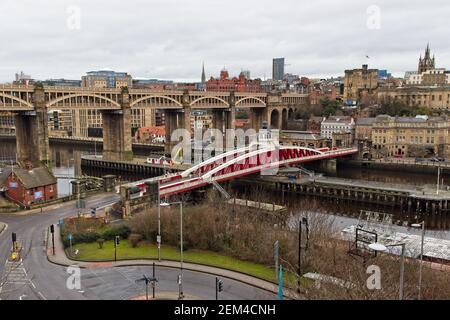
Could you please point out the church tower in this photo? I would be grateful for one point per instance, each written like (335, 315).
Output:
(427, 63)
(203, 74)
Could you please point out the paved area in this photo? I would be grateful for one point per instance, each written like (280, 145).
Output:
(35, 278)
(2, 227)
(60, 258)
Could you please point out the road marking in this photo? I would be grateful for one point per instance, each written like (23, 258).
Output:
(42, 296)
(22, 296)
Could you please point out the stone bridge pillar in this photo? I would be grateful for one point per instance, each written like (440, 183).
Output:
(32, 132)
(218, 119)
(117, 144)
(257, 116)
(274, 111)
(231, 113)
(170, 125)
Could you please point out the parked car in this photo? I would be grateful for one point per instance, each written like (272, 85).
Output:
(434, 159)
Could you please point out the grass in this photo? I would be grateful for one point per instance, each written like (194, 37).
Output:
(91, 252)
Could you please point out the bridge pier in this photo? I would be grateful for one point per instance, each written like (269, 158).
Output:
(32, 132)
(117, 143)
(257, 116)
(171, 124)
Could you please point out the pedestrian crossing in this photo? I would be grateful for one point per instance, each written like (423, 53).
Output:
(13, 279)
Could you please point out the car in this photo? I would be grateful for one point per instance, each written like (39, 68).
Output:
(441, 159)
(434, 159)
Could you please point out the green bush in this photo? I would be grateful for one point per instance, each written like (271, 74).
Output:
(107, 233)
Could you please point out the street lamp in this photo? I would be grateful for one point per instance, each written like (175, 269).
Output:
(382, 248)
(301, 221)
(418, 225)
(180, 277)
(158, 237)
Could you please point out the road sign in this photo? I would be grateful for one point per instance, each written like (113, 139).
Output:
(70, 236)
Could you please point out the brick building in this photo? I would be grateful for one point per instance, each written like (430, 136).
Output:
(240, 84)
(29, 186)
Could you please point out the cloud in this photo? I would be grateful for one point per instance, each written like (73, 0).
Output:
(169, 39)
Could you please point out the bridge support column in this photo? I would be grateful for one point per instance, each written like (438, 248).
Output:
(218, 119)
(117, 143)
(32, 132)
(257, 116)
(171, 125)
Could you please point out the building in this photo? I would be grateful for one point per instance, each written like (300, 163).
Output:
(409, 136)
(427, 74)
(359, 85)
(427, 63)
(7, 125)
(278, 69)
(150, 135)
(433, 97)
(23, 79)
(29, 186)
(201, 120)
(302, 139)
(107, 79)
(314, 124)
(153, 84)
(337, 124)
(363, 128)
(62, 83)
(240, 84)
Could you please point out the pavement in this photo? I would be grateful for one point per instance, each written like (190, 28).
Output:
(33, 277)
(60, 258)
(3, 227)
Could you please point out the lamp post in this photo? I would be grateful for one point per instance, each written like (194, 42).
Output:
(382, 248)
(158, 237)
(180, 278)
(418, 225)
(300, 222)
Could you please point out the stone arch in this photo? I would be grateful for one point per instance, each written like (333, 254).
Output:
(250, 98)
(14, 98)
(135, 102)
(76, 95)
(275, 119)
(226, 104)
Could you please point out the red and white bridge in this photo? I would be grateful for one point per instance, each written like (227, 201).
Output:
(237, 163)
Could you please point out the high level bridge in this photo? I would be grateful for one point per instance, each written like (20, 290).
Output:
(32, 103)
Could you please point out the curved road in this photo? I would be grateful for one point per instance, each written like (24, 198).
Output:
(37, 278)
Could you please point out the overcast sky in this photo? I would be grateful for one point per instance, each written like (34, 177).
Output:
(170, 39)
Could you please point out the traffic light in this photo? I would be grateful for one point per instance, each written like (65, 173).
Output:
(14, 237)
(52, 228)
(117, 240)
(220, 285)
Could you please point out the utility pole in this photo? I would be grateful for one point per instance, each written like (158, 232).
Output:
(158, 237)
(52, 230)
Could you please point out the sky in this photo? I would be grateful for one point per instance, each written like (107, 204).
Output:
(170, 39)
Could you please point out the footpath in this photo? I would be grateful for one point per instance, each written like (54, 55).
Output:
(60, 258)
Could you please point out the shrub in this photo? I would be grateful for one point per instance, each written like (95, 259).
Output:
(100, 242)
(134, 239)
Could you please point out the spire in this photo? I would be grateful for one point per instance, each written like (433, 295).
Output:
(427, 51)
(203, 73)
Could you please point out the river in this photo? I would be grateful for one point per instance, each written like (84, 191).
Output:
(66, 161)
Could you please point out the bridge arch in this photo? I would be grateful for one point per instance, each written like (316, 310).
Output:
(213, 98)
(275, 119)
(76, 95)
(135, 102)
(208, 175)
(14, 98)
(250, 98)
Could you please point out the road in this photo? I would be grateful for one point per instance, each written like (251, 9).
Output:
(37, 279)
